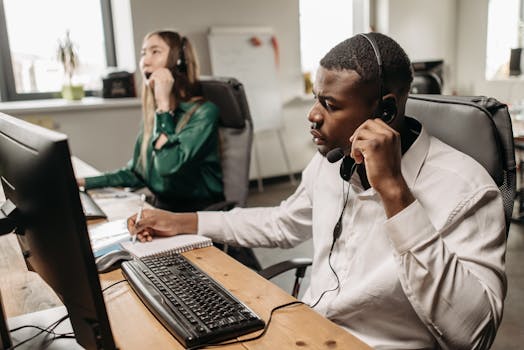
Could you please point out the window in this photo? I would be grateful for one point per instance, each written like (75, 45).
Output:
(505, 32)
(323, 24)
(29, 35)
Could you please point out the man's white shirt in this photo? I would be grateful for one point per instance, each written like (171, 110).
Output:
(430, 277)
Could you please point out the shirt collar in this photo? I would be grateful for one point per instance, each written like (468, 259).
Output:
(414, 157)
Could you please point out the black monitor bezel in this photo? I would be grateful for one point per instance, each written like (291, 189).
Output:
(39, 179)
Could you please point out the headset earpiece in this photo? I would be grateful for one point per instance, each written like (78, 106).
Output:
(181, 64)
(386, 110)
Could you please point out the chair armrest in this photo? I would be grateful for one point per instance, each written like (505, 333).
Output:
(300, 264)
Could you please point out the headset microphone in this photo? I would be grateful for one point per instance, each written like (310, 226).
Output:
(348, 165)
(335, 155)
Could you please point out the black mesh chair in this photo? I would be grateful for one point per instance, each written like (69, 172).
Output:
(477, 126)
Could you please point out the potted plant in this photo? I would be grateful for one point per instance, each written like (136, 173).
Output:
(68, 57)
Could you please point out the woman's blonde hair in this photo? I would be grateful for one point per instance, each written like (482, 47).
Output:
(183, 63)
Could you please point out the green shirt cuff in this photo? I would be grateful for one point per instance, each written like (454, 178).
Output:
(164, 123)
(95, 182)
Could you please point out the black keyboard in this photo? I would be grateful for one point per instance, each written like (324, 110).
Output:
(91, 209)
(196, 309)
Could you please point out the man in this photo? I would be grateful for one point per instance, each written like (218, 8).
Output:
(409, 253)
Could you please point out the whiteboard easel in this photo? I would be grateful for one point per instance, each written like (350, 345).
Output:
(250, 54)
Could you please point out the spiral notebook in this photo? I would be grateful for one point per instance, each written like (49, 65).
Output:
(160, 245)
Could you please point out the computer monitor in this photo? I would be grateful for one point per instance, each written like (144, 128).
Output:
(37, 177)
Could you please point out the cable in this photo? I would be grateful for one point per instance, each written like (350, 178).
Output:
(49, 330)
(112, 285)
(337, 230)
(252, 338)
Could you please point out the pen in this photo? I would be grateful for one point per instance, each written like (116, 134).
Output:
(139, 215)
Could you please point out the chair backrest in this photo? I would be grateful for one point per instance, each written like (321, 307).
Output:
(236, 134)
(478, 126)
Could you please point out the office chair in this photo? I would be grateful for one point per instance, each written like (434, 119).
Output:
(477, 126)
(236, 138)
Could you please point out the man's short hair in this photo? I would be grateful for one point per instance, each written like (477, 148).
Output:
(356, 53)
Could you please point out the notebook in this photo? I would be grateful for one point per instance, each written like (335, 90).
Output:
(113, 235)
(107, 236)
(160, 245)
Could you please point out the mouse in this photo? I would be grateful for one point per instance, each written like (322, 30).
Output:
(112, 260)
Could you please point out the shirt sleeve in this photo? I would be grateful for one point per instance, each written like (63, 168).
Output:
(193, 141)
(121, 178)
(284, 226)
(454, 277)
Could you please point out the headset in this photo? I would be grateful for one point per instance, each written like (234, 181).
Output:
(181, 65)
(387, 108)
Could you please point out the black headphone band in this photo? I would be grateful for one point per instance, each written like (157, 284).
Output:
(379, 61)
(386, 109)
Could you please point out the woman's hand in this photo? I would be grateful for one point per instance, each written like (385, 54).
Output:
(81, 182)
(156, 222)
(162, 81)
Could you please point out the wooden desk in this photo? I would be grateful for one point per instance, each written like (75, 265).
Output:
(134, 327)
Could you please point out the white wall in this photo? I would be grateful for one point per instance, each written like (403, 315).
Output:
(101, 133)
(426, 29)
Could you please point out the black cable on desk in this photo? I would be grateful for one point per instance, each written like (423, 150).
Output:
(112, 285)
(49, 330)
(253, 338)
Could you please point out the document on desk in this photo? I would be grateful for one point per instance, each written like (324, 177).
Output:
(172, 244)
(107, 236)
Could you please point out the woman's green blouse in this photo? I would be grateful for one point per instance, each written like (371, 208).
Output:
(187, 166)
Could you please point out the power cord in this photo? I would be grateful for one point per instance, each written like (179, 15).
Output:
(112, 285)
(252, 338)
(50, 329)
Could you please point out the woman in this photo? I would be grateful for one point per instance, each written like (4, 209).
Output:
(177, 150)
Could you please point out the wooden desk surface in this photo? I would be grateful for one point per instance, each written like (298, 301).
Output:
(134, 327)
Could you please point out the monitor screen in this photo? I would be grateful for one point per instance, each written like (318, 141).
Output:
(37, 177)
